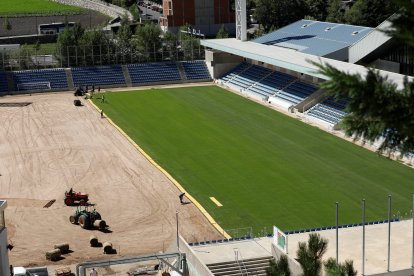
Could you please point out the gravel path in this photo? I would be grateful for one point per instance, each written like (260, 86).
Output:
(97, 5)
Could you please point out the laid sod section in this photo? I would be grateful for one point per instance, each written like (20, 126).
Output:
(36, 7)
(264, 167)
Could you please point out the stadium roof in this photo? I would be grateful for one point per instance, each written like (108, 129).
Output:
(314, 37)
(290, 59)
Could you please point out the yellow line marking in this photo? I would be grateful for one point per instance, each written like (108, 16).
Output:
(216, 201)
(175, 182)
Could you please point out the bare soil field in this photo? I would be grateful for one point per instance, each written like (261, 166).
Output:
(50, 146)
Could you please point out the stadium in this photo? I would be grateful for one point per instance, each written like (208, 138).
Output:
(200, 164)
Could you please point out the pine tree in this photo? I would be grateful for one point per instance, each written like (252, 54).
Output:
(279, 267)
(222, 33)
(340, 269)
(309, 255)
(377, 108)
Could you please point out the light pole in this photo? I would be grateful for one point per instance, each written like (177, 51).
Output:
(337, 239)
(178, 242)
(363, 237)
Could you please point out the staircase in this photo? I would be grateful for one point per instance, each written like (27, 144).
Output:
(126, 76)
(251, 267)
(182, 71)
(69, 79)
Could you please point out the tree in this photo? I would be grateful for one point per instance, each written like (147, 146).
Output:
(276, 14)
(127, 3)
(67, 42)
(188, 42)
(317, 9)
(344, 269)
(377, 108)
(279, 267)
(170, 42)
(7, 25)
(402, 23)
(309, 255)
(222, 33)
(147, 39)
(135, 11)
(335, 12)
(370, 13)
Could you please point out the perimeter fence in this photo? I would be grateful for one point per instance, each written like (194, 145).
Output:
(51, 56)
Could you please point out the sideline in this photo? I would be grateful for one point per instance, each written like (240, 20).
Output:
(175, 182)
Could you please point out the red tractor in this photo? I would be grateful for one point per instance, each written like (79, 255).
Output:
(73, 198)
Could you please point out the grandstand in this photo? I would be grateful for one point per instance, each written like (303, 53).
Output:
(154, 72)
(329, 110)
(47, 79)
(3, 82)
(61, 79)
(196, 70)
(98, 75)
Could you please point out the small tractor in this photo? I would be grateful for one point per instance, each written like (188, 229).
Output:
(72, 198)
(79, 91)
(88, 219)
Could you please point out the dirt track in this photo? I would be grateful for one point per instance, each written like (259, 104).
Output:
(50, 146)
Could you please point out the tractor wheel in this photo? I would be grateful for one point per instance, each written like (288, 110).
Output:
(68, 201)
(97, 216)
(72, 220)
(84, 221)
(82, 202)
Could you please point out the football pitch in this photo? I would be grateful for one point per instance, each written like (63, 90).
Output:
(19, 7)
(264, 167)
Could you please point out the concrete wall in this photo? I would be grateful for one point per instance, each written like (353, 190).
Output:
(4, 257)
(294, 266)
(341, 55)
(386, 65)
(220, 63)
(223, 12)
(29, 39)
(369, 43)
(195, 266)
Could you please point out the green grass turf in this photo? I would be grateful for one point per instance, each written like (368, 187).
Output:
(264, 167)
(14, 7)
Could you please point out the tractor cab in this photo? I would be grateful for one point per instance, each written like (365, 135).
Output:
(73, 198)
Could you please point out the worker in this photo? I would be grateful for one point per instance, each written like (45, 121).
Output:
(94, 272)
(181, 196)
(93, 87)
(70, 191)
(102, 114)
(103, 98)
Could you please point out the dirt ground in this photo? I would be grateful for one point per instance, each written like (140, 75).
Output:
(48, 147)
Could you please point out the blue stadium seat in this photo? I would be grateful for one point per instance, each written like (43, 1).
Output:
(196, 70)
(144, 73)
(44, 79)
(329, 111)
(98, 75)
(3, 82)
